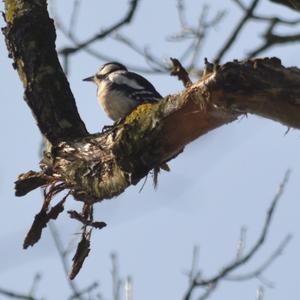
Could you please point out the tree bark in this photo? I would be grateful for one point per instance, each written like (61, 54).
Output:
(100, 166)
(30, 39)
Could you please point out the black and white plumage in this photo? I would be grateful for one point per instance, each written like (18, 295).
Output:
(120, 91)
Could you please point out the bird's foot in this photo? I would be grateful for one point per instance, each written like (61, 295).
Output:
(107, 128)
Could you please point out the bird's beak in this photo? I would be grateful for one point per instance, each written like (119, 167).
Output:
(91, 78)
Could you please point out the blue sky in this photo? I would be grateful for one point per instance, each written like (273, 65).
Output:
(222, 181)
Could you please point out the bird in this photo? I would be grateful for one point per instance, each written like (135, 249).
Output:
(120, 91)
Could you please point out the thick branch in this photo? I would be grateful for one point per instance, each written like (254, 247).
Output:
(95, 167)
(103, 165)
(30, 38)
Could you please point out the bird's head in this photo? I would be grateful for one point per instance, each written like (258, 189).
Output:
(105, 70)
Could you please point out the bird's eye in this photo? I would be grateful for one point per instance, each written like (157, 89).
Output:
(99, 76)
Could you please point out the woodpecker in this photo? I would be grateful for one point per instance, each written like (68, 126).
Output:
(120, 91)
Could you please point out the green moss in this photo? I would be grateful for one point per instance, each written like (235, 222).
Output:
(135, 144)
(134, 152)
(139, 112)
(95, 186)
(110, 188)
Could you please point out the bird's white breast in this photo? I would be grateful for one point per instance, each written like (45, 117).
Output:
(114, 103)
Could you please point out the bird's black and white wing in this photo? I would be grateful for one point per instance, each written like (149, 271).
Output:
(134, 86)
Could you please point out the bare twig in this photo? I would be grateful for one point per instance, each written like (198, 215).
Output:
(260, 293)
(77, 293)
(69, 33)
(154, 62)
(116, 281)
(271, 39)
(202, 31)
(86, 221)
(210, 289)
(196, 34)
(241, 243)
(179, 71)
(87, 290)
(128, 288)
(103, 33)
(62, 254)
(36, 280)
(104, 57)
(237, 30)
(264, 18)
(15, 295)
(193, 272)
(74, 15)
(259, 242)
(29, 296)
(258, 272)
(223, 274)
(240, 4)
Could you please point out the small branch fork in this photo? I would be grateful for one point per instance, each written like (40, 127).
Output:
(210, 284)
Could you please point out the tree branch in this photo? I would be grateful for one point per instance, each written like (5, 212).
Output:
(59, 246)
(271, 40)
(256, 273)
(103, 33)
(30, 39)
(213, 281)
(235, 33)
(14, 295)
(103, 165)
